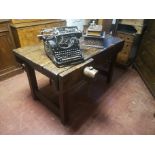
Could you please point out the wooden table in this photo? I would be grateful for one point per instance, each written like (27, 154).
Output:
(34, 58)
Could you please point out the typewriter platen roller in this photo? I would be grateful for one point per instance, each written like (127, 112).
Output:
(61, 45)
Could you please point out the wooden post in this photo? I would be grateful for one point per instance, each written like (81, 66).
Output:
(111, 67)
(63, 99)
(32, 80)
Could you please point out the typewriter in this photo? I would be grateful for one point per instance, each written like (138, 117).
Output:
(94, 36)
(61, 45)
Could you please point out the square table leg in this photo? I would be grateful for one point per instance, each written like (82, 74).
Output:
(32, 80)
(111, 68)
(63, 102)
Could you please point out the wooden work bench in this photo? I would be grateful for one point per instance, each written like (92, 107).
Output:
(34, 58)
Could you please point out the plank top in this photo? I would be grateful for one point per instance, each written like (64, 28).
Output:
(36, 55)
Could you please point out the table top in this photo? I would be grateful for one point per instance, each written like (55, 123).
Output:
(35, 54)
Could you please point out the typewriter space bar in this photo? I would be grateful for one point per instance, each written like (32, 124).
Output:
(71, 58)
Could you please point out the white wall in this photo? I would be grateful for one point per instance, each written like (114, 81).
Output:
(76, 22)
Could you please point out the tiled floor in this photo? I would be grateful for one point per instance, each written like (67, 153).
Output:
(123, 107)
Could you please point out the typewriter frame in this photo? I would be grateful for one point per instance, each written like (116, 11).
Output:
(61, 44)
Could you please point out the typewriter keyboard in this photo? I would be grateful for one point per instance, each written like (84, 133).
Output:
(68, 56)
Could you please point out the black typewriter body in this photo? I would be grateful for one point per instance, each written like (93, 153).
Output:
(62, 45)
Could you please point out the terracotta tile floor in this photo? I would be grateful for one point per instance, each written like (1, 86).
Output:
(123, 107)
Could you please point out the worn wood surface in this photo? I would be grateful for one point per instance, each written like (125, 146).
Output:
(8, 65)
(25, 32)
(18, 23)
(145, 62)
(36, 55)
(74, 74)
(124, 55)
